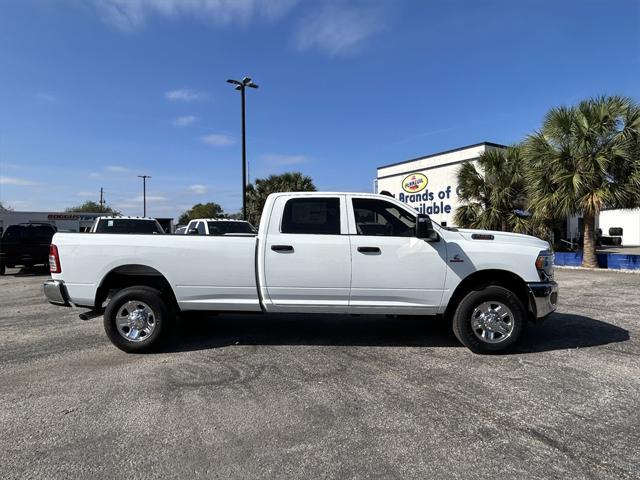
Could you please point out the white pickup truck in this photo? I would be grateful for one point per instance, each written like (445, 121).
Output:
(315, 252)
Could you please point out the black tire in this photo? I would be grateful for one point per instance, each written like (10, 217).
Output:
(2, 268)
(160, 314)
(462, 319)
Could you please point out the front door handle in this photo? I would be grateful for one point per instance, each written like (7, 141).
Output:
(282, 248)
(369, 249)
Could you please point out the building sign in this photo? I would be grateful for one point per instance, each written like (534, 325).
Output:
(72, 216)
(414, 183)
(429, 202)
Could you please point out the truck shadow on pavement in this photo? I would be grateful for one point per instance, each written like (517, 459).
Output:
(560, 331)
(563, 331)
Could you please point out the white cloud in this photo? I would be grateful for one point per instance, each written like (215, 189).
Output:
(17, 204)
(185, 95)
(15, 181)
(126, 205)
(281, 160)
(185, 121)
(150, 198)
(47, 97)
(339, 29)
(197, 189)
(86, 194)
(116, 168)
(218, 140)
(94, 175)
(129, 15)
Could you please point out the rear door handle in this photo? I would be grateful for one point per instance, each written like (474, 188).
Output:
(369, 249)
(282, 248)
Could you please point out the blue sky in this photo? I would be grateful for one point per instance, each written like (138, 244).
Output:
(95, 92)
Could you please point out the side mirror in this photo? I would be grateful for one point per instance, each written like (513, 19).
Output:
(424, 228)
(192, 231)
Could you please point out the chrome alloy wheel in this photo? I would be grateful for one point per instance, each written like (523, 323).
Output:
(135, 321)
(492, 322)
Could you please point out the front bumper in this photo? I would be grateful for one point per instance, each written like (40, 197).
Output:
(544, 298)
(56, 293)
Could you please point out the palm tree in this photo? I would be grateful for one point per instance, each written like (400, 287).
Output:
(258, 192)
(583, 159)
(491, 190)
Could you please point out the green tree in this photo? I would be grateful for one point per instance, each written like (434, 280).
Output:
(201, 210)
(258, 192)
(93, 207)
(491, 190)
(583, 159)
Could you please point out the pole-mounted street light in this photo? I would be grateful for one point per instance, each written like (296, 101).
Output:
(144, 193)
(241, 85)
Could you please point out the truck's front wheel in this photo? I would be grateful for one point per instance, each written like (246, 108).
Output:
(136, 319)
(489, 319)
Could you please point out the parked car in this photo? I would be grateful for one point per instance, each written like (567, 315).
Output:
(219, 226)
(315, 252)
(25, 244)
(181, 230)
(126, 225)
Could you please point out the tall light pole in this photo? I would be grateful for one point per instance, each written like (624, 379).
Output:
(144, 193)
(241, 85)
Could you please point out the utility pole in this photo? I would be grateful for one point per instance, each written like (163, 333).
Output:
(101, 200)
(144, 193)
(241, 85)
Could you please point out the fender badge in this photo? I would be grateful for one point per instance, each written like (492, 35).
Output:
(456, 259)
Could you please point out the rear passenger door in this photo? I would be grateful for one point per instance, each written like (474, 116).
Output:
(307, 254)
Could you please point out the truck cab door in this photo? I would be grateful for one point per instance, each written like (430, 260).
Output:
(392, 270)
(306, 255)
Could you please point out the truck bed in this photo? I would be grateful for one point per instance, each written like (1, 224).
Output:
(206, 273)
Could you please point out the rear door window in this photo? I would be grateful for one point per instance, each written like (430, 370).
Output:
(312, 216)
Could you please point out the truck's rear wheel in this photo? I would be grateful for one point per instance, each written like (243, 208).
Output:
(489, 319)
(137, 319)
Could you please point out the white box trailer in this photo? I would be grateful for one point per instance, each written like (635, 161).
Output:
(63, 221)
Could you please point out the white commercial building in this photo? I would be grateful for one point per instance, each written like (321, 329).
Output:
(430, 185)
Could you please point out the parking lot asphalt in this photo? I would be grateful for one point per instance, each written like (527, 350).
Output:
(239, 396)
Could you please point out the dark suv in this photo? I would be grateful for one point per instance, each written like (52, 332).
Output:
(25, 244)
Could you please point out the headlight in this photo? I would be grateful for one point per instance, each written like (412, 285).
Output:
(544, 265)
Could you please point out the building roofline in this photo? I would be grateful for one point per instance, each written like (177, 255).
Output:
(488, 144)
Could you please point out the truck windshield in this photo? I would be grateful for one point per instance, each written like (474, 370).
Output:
(224, 228)
(126, 225)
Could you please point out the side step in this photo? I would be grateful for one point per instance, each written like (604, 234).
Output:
(90, 314)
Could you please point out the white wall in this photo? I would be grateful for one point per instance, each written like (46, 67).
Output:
(62, 220)
(629, 220)
(439, 199)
